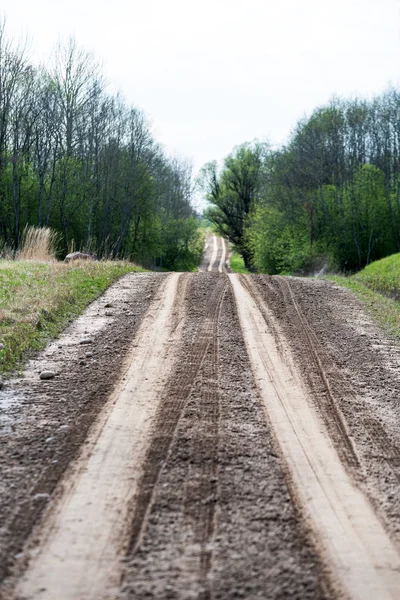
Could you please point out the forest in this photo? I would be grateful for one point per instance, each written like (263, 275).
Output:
(330, 198)
(84, 163)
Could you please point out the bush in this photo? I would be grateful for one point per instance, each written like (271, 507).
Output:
(275, 246)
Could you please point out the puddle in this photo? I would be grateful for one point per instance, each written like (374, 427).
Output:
(10, 402)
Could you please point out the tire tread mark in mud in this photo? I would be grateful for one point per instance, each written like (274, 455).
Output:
(388, 451)
(169, 414)
(331, 400)
(332, 415)
(201, 493)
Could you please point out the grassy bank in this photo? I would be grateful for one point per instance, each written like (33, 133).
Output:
(237, 263)
(382, 276)
(378, 288)
(37, 301)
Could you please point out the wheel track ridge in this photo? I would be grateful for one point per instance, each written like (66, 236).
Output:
(273, 376)
(183, 388)
(368, 547)
(205, 516)
(312, 343)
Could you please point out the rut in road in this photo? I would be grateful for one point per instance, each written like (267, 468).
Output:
(216, 517)
(47, 422)
(352, 372)
(360, 552)
(169, 413)
(84, 533)
(327, 401)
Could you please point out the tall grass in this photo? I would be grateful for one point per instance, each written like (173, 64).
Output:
(38, 243)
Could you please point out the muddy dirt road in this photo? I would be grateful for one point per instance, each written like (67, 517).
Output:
(215, 437)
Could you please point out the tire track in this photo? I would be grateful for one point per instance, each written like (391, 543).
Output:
(332, 411)
(318, 377)
(201, 490)
(213, 258)
(363, 377)
(85, 531)
(379, 437)
(222, 262)
(169, 414)
(62, 410)
(221, 523)
(356, 547)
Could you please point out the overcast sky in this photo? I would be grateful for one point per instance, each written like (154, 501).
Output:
(212, 74)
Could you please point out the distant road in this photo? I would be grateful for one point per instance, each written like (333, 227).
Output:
(215, 256)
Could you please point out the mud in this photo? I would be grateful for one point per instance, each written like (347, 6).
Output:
(363, 560)
(352, 371)
(215, 514)
(44, 423)
(215, 518)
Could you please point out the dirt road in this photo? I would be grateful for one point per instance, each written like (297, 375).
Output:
(217, 437)
(215, 255)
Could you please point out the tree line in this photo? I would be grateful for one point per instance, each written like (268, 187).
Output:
(332, 193)
(81, 161)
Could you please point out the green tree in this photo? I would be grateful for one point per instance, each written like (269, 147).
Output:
(233, 192)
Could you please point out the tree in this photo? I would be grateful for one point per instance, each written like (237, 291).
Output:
(233, 192)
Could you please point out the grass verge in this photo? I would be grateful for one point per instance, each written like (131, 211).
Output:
(237, 263)
(382, 276)
(38, 300)
(385, 310)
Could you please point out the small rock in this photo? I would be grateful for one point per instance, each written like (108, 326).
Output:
(89, 354)
(47, 375)
(86, 341)
(108, 305)
(63, 427)
(109, 313)
(2, 346)
(1, 384)
(41, 496)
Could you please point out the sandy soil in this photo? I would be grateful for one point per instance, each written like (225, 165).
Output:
(199, 487)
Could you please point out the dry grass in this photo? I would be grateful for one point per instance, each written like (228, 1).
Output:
(38, 299)
(38, 243)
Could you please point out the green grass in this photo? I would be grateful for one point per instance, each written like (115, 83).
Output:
(378, 288)
(37, 301)
(382, 276)
(237, 263)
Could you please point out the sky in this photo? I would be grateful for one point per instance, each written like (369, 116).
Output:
(213, 74)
